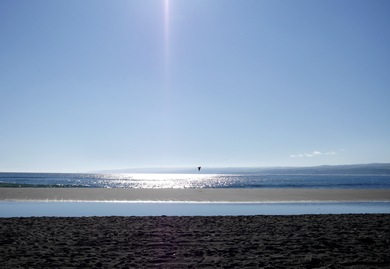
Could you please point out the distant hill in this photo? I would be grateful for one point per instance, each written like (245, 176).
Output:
(354, 169)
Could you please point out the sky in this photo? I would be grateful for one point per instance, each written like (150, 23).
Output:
(99, 85)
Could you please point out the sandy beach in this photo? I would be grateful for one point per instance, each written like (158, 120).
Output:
(301, 241)
(194, 195)
(292, 241)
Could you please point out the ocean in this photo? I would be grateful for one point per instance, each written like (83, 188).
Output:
(185, 181)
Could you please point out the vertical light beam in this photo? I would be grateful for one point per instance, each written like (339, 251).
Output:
(166, 36)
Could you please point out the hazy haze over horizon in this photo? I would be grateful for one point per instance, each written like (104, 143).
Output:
(111, 85)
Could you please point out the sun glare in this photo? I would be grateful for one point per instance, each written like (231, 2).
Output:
(166, 29)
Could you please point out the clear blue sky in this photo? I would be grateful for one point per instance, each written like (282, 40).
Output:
(97, 85)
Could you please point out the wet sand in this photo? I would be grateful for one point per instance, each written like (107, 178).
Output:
(297, 241)
(194, 195)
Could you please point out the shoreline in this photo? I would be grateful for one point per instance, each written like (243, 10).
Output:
(192, 195)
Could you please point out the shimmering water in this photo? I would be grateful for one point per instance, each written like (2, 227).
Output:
(184, 181)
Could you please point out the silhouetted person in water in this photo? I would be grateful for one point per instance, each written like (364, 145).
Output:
(199, 168)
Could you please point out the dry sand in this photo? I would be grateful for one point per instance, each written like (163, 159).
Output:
(194, 195)
(304, 241)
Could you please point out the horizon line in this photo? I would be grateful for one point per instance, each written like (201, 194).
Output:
(190, 167)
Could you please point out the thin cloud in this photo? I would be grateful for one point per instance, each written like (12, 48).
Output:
(342, 149)
(296, 156)
(313, 154)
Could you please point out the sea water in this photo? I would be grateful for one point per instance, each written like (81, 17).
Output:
(184, 181)
(88, 209)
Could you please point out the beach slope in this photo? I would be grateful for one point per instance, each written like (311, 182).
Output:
(194, 195)
(300, 241)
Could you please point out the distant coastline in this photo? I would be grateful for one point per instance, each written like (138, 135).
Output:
(353, 169)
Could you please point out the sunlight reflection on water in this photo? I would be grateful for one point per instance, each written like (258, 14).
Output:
(186, 181)
(162, 181)
(174, 181)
